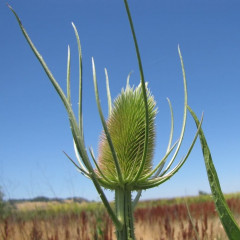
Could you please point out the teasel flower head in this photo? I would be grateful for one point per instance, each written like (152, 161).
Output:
(127, 142)
(126, 126)
(128, 138)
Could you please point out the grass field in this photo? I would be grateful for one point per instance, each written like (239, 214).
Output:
(165, 219)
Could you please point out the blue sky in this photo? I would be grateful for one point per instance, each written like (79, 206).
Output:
(34, 125)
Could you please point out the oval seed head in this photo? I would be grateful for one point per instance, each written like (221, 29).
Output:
(126, 125)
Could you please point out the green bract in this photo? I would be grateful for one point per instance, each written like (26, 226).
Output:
(127, 143)
(126, 126)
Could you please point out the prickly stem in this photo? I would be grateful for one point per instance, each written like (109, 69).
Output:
(124, 211)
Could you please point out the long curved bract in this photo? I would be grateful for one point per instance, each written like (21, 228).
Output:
(136, 179)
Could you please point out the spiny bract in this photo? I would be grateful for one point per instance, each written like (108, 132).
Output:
(126, 125)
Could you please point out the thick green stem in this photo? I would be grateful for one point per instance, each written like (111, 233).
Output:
(124, 212)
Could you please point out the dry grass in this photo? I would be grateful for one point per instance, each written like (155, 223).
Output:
(26, 206)
(156, 222)
(59, 230)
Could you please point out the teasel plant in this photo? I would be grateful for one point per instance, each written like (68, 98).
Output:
(124, 164)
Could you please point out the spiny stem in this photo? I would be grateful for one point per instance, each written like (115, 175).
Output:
(124, 211)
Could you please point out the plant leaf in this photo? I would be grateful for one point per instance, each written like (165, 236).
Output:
(231, 228)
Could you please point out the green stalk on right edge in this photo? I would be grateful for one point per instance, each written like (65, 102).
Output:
(230, 226)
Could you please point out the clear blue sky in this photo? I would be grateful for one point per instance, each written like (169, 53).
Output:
(34, 125)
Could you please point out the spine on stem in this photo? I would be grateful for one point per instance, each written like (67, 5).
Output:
(124, 211)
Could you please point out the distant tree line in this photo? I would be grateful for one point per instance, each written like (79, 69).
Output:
(201, 193)
(46, 199)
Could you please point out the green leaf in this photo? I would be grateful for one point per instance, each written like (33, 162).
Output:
(231, 228)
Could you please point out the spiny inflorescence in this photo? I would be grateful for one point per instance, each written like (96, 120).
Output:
(126, 125)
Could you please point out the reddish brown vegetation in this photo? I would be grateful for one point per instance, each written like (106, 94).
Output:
(167, 222)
